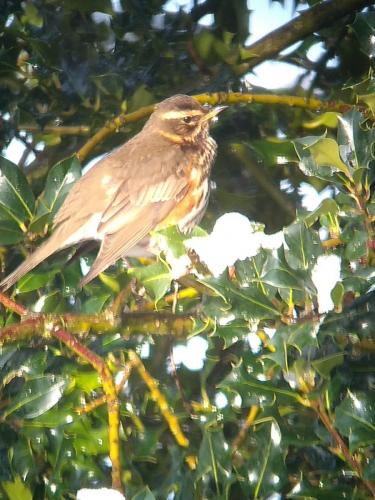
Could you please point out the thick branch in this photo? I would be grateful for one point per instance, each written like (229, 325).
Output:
(320, 16)
(146, 323)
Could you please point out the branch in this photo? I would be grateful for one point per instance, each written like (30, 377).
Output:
(202, 9)
(320, 16)
(58, 130)
(350, 459)
(110, 392)
(159, 399)
(12, 305)
(95, 403)
(111, 127)
(237, 441)
(129, 323)
(49, 326)
(213, 99)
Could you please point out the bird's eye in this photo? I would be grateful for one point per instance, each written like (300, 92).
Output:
(187, 119)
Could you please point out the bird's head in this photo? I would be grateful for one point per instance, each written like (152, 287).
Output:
(182, 119)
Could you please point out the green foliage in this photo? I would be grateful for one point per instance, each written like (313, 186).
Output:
(270, 353)
(308, 357)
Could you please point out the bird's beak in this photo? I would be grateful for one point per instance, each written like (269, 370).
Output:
(212, 113)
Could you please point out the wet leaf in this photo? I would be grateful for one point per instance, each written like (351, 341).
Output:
(304, 246)
(144, 494)
(327, 207)
(355, 418)
(356, 141)
(320, 157)
(59, 182)
(328, 119)
(248, 302)
(10, 232)
(214, 456)
(267, 469)
(156, 278)
(16, 198)
(37, 396)
(34, 281)
(325, 365)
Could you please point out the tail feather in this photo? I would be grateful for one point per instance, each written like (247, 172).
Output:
(41, 253)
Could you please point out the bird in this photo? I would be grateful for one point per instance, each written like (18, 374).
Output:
(159, 178)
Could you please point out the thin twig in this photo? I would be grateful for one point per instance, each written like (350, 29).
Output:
(111, 398)
(95, 403)
(160, 400)
(12, 305)
(128, 323)
(253, 412)
(319, 408)
(58, 130)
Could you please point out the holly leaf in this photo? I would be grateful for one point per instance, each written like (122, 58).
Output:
(16, 197)
(37, 396)
(59, 181)
(156, 278)
(355, 418)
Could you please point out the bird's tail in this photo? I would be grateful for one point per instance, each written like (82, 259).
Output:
(41, 253)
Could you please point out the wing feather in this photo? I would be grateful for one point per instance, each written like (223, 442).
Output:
(125, 196)
(115, 245)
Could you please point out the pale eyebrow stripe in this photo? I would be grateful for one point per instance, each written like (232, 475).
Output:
(172, 115)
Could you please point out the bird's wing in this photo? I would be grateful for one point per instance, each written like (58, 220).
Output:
(132, 190)
(151, 198)
(119, 201)
(127, 179)
(116, 244)
(143, 199)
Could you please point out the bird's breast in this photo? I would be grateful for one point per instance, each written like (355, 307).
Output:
(190, 209)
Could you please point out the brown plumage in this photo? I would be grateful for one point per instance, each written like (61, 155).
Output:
(158, 178)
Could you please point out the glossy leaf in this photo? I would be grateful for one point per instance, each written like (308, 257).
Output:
(328, 119)
(266, 468)
(319, 157)
(156, 278)
(144, 494)
(59, 181)
(96, 304)
(34, 281)
(356, 141)
(16, 198)
(304, 246)
(51, 302)
(355, 418)
(248, 302)
(357, 244)
(325, 365)
(364, 28)
(37, 396)
(214, 457)
(328, 207)
(10, 232)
